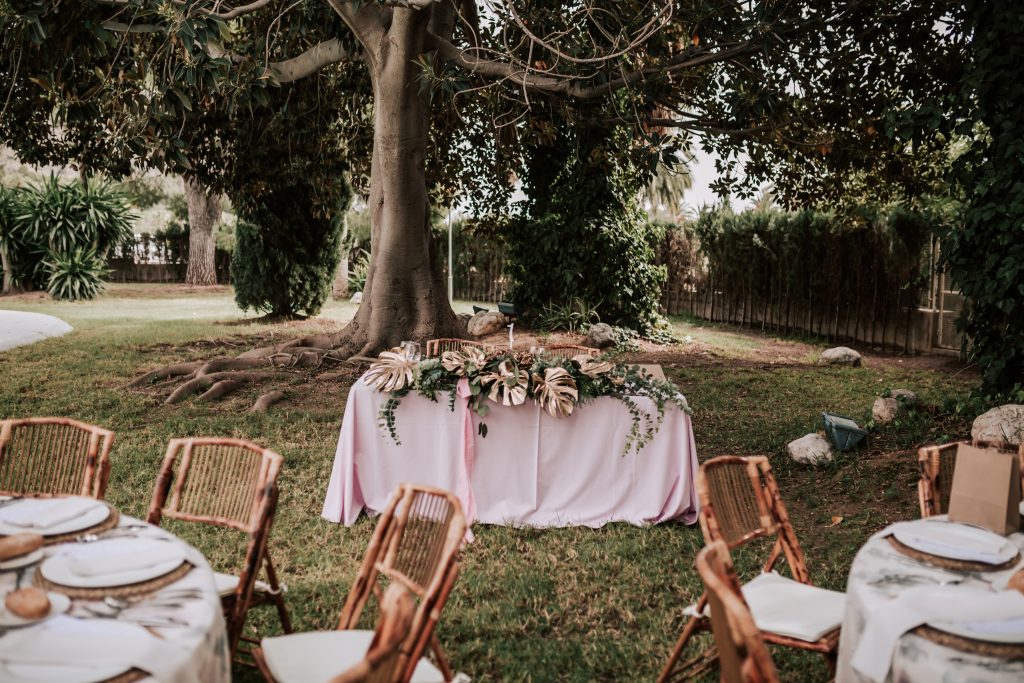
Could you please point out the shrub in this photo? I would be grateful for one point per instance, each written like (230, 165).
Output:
(360, 270)
(75, 275)
(571, 316)
(285, 254)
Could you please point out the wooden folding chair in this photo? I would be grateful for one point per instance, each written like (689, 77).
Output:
(415, 544)
(229, 483)
(742, 654)
(740, 502)
(435, 347)
(54, 456)
(937, 464)
(567, 351)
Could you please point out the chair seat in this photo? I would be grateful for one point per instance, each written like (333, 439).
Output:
(226, 584)
(789, 608)
(319, 656)
(784, 607)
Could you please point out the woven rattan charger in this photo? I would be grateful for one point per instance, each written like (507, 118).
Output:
(983, 648)
(130, 590)
(948, 563)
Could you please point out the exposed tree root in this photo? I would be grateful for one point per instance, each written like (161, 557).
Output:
(264, 402)
(192, 386)
(221, 388)
(227, 364)
(176, 370)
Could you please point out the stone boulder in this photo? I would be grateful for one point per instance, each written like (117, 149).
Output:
(357, 298)
(1004, 423)
(485, 323)
(600, 336)
(840, 355)
(464, 318)
(888, 408)
(812, 449)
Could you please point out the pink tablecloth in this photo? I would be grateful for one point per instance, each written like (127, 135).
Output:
(530, 469)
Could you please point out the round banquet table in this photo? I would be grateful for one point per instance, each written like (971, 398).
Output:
(880, 574)
(193, 650)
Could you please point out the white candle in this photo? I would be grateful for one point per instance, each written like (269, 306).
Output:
(511, 325)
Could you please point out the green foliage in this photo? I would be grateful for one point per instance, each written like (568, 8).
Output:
(572, 316)
(285, 253)
(581, 234)
(358, 270)
(76, 274)
(800, 269)
(53, 222)
(985, 255)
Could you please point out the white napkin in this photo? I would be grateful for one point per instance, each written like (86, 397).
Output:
(100, 642)
(43, 513)
(920, 605)
(957, 541)
(121, 555)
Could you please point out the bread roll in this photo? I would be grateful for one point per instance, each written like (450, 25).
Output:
(17, 545)
(28, 603)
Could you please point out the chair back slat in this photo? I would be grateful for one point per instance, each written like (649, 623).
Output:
(383, 657)
(743, 656)
(937, 464)
(436, 347)
(568, 351)
(54, 456)
(740, 501)
(415, 544)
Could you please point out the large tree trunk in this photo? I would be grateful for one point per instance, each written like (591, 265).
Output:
(203, 214)
(404, 297)
(9, 286)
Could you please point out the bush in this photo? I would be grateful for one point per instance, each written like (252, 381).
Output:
(581, 234)
(61, 222)
(572, 316)
(285, 255)
(76, 275)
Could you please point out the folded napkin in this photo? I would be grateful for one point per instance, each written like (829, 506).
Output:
(921, 605)
(43, 513)
(952, 540)
(121, 555)
(100, 642)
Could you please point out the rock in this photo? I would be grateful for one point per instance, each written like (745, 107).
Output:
(464, 318)
(485, 323)
(840, 355)
(812, 449)
(600, 336)
(1004, 423)
(886, 409)
(357, 298)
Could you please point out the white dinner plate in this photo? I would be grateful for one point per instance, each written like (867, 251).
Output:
(1006, 631)
(56, 570)
(90, 518)
(955, 541)
(65, 673)
(22, 560)
(59, 604)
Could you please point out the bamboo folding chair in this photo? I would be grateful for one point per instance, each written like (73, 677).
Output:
(435, 347)
(742, 654)
(229, 483)
(937, 464)
(381, 660)
(568, 351)
(415, 544)
(740, 502)
(54, 456)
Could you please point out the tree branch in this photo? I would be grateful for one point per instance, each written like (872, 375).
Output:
(309, 62)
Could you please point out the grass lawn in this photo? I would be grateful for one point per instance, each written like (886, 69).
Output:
(539, 605)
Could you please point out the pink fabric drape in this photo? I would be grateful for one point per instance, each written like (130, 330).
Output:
(530, 469)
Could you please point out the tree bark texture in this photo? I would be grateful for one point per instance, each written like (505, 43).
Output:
(339, 288)
(203, 214)
(404, 296)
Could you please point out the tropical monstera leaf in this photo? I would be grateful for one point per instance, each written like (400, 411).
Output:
(507, 386)
(591, 367)
(556, 391)
(392, 371)
(465, 361)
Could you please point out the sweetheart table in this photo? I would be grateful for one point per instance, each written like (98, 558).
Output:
(530, 469)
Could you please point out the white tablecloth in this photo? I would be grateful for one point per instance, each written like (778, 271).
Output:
(880, 574)
(195, 653)
(530, 469)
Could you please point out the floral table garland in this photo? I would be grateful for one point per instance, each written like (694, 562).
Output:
(510, 378)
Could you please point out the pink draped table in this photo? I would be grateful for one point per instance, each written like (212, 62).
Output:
(530, 469)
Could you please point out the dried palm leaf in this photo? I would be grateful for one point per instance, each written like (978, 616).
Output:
(392, 371)
(508, 385)
(591, 367)
(464, 361)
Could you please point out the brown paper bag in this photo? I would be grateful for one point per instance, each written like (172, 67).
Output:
(986, 489)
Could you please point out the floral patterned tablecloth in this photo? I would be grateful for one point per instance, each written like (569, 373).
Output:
(879, 574)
